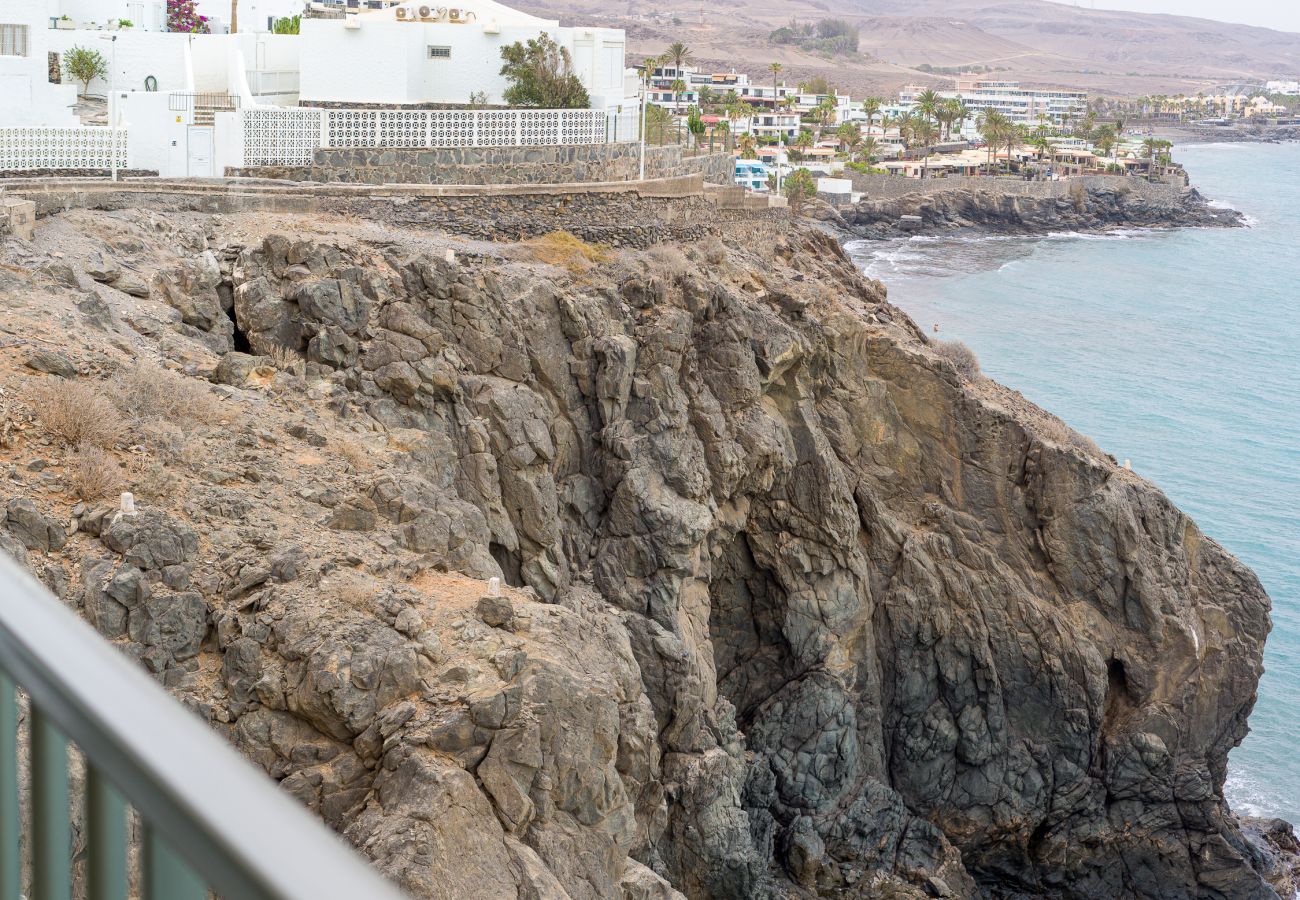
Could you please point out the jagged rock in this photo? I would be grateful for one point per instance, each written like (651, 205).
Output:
(130, 283)
(496, 612)
(52, 362)
(150, 540)
(102, 268)
(236, 368)
(354, 514)
(31, 528)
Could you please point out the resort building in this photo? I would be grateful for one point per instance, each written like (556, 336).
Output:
(1027, 106)
(1263, 108)
(751, 174)
(26, 95)
(415, 55)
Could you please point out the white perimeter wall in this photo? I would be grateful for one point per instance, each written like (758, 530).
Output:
(146, 15)
(139, 54)
(386, 61)
(26, 95)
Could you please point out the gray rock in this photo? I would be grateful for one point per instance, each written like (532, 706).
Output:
(52, 362)
(31, 528)
(498, 612)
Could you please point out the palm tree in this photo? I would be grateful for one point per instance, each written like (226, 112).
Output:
(680, 55)
(1016, 136)
(927, 103)
(1119, 135)
(871, 106)
(747, 147)
(678, 87)
(824, 112)
(1041, 144)
(990, 124)
(1105, 141)
(846, 133)
(805, 139)
(924, 133)
(868, 149)
(960, 113)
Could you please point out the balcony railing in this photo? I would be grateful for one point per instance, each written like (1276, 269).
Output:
(212, 823)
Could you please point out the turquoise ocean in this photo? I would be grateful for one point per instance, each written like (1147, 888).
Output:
(1177, 350)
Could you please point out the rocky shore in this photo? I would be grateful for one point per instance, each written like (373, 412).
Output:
(795, 606)
(1230, 134)
(1084, 207)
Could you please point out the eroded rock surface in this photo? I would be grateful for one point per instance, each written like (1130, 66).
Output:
(792, 608)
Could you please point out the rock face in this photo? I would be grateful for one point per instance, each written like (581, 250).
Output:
(793, 608)
(1006, 212)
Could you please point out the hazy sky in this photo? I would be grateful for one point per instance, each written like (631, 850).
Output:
(1284, 15)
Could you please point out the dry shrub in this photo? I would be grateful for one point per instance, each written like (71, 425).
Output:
(1078, 194)
(666, 261)
(560, 248)
(963, 358)
(152, 480)
(1056, 431)
(146, 393)
(283, 358)
(715, 252)
(92, 474)
(77, 413)
(356, 454)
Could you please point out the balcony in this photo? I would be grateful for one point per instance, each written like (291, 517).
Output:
(211, 821)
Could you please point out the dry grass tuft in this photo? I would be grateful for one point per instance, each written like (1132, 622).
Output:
(963, 358)
(146, 393)
(283, 358)
(92, 474)
(560, 248)
(77, 413)
(714, 250)
(1056, 431)
(355, 453)
(666, 261)
(152, 480)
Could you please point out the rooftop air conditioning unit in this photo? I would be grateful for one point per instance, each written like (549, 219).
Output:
(427, 12)
(455, 15)
(402, 13)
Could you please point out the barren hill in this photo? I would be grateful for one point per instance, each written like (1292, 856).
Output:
(1037, 41)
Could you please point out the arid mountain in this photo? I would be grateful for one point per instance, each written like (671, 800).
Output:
(1037, 41)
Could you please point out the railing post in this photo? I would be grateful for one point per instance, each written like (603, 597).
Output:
(10, 825)
(51, 831)
(166, 876)
(105, 839)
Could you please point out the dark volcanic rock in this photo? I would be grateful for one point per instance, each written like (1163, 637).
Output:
(1002, 209)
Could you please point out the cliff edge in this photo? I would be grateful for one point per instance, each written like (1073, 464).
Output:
(794, 607)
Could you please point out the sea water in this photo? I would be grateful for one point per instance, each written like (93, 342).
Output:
(1178, 350)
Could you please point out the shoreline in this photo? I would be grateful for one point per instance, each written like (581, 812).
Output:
(1086, 206)
(1232, 134)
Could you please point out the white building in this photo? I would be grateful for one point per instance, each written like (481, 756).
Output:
(1290, 88)
(419, 54)
(26, 95)
(1022, 105)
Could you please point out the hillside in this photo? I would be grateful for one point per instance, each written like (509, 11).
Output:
(1036, 41)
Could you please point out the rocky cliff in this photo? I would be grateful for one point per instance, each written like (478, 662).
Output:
(794, 608)
(1008, 211)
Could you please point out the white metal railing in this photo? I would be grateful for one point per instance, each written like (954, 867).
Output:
(210, 818)
(47, 147)
(290, 136)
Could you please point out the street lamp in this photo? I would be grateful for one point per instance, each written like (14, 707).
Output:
(112, 103)
(645, 96)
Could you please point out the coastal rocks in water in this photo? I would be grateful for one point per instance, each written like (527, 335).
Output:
(1009, 206)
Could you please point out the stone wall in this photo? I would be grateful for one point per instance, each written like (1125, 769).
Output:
(889, 187)
(617, 214)
(499, 165)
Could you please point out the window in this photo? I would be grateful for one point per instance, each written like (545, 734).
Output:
(13, 40)
(439, 53)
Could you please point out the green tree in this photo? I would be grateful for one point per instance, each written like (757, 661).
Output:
(84, 65)
(869, 150)
(927, 103)
(657, 121)
(678, 87)
(847, 133)
(679, 55)
(871, 106)
(1106, 141)
(289, 25)
(800, 187)
(541, 75)
(748, 148)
